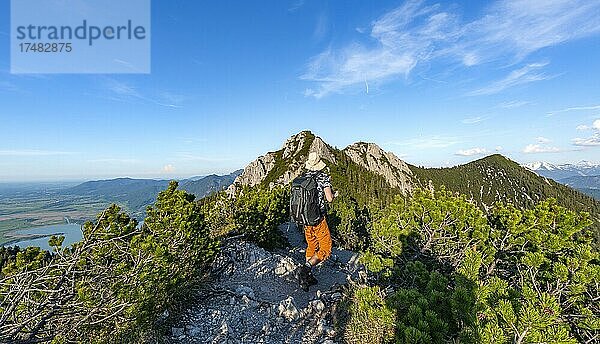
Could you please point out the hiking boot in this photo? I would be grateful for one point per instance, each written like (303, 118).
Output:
(310, 279)
(304, 279)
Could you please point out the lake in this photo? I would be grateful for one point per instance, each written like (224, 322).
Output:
(72, 233)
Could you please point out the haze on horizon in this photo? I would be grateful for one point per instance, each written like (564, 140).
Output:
(437, 83)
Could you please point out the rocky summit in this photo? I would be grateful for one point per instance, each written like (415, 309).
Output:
(254, 297)
(282, 166)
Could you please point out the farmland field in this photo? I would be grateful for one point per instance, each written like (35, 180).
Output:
(33, 205)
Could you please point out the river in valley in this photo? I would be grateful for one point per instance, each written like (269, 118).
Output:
(71, 232)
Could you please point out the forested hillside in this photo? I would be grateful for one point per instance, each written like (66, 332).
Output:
(498, 179)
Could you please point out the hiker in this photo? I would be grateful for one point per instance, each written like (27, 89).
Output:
(307, 206)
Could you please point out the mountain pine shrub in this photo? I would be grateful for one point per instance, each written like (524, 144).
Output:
(256, 213)
(113, 285)
(367, 318)
(505, 276)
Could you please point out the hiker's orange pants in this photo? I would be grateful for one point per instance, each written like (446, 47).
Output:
(319, 240)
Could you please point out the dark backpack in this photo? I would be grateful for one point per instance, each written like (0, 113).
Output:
(304, 201)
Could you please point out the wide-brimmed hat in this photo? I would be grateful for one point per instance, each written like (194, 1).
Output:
(314, 162)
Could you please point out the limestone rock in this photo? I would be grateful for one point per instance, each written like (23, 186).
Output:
(386, 164)
(294, 152)
(252, 303)
(254, 173)
(287, 309)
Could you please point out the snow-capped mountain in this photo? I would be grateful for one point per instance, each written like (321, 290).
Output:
(562, 171)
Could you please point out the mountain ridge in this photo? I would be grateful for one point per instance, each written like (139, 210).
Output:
(364, 172)
(136, 194)
(285, 164)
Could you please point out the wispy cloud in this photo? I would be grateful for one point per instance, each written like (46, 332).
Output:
(296, 5)
(132, 68)
(8, 86)
(543, 140)
(193, 157)
(524, 75)
(471, 151)
(474, 120)
(416, 33)
(114, 161)
(122, 91)
(513, 104)
(192, 140)
(575, 108)
(321, 27)
(174, 99)
(540, 148)
(427, 142)
(32, 152)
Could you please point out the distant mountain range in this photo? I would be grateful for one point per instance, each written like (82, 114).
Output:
(583, 176)
(562, 171)
(136, 194)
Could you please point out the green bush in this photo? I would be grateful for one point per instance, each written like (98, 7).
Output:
(510, 275)
(256, 213)
(348, 223)
(367, 318)
(111, 286)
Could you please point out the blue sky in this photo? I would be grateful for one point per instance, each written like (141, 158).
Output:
(437, 83)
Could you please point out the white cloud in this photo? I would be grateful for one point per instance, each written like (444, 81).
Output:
(32, 152)
(506, 32)
(499, 148)
(594, 140)
(471, 152)
(168, 169)
(591, 141)
(538, 148)
(524, 75)
(541, 139)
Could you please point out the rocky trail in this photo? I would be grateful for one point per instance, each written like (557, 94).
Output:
(254, 296)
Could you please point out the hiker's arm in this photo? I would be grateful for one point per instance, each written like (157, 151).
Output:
(329, 194)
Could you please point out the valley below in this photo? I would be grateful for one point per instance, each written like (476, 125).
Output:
(30, 208)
